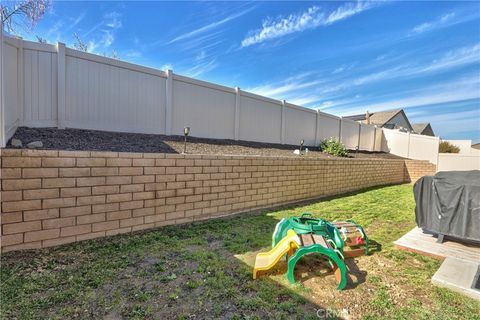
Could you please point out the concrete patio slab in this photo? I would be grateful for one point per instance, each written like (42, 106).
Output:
(461, 265)
(458, 275)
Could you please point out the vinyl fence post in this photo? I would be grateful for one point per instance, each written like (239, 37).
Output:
(317, 128)
(169, 103)
(408, 144)
(282, 124)
(237, 113)
(61, 85)
(359, 135)
(20, 81)
(340, 130)
(374, 138)
(2, 93)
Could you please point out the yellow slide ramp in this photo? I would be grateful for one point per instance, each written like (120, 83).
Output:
(266, 260)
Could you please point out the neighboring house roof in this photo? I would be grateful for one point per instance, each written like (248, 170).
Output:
(423, 128)
(379, 118)
(476, 146)
(419, 127)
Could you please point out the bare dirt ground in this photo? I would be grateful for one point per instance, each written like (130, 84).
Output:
(91, 140)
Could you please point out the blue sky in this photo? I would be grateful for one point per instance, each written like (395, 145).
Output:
(342, 57)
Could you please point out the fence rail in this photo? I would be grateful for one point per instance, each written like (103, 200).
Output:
(54, 86)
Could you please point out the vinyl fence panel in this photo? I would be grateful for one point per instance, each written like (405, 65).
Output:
(209, 110)
(260, 119)
(299, 125)
(367, 137)
(104, 96)
(457, 162)
(423, 148)
(328, 126)
(40, 86)
(350, 134)
(397, 142)
(413, 146)
(380, 141)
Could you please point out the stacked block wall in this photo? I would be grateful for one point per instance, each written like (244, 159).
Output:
(55, 197)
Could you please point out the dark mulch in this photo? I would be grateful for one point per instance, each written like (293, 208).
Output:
(92, 140)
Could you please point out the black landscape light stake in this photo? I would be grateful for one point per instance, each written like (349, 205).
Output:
(301, 145)
(186, 132)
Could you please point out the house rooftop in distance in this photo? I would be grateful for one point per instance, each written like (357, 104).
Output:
(423, 128)
(378, 118)
(390, 119)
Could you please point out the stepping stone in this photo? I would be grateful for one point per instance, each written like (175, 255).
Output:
(458, 275)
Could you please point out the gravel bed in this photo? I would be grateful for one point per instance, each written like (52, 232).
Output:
(92, 140)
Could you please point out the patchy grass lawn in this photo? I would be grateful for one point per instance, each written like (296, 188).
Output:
(203, 271)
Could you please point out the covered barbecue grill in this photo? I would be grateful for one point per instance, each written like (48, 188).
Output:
(448, 204)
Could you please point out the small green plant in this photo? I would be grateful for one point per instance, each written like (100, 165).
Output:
(447, 147)
(334, 147)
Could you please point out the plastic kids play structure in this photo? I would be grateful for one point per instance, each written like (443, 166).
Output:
(299, 236)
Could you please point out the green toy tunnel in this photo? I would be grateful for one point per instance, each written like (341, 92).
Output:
(339, 266)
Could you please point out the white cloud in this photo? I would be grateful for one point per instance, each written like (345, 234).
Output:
(92, 46)
(445, 20)
(54, 32)
(422, 27)
(465, 88)
(286, 89)
(208, 27)
(108, 38)
(455, 58)
(327, 104)
(312, 18)
(76, 21)
(201, 68)
(303, 101)
(201, 55)
(341, 69)
(113, 20)
(450, 122)
(381, 75)
(109, 26)
(311, 87)
(427, 26)
(347, 10)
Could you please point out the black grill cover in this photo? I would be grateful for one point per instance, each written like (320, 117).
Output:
(448, 203)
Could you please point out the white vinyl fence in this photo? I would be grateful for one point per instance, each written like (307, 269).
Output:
(54, 86)
(45, 85)
(409, 145)
(414, 146)
(457, 162)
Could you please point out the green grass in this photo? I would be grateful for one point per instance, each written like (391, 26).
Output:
(199, 270)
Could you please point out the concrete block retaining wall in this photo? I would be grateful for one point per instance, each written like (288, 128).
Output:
(50, 198)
